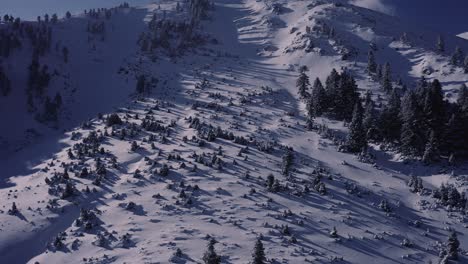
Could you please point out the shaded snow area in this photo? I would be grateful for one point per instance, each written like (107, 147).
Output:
(180, 123)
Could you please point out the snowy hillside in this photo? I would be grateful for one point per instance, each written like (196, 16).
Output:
(200, 132)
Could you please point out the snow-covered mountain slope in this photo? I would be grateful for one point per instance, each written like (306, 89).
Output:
(173, 179)
(442, 16)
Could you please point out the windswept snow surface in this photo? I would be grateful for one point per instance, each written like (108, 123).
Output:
(251, 68)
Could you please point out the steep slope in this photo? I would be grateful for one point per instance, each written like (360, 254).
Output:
(193, 159)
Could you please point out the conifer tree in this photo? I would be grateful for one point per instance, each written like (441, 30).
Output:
(370, 119)
(357, 134)
(210, 256)
(462, 99)
(287, 162)
(379, 73)
(387, 78)
(259, 253)
(457, 57)
(371, 64)
(452, 246)
(412, 139)
(431, 152)
(316, 105)
(303, 84)
(434, 108)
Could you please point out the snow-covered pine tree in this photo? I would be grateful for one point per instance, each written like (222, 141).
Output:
(317, 104)
(370, 118)
(302, 85)
(357, 135)
(431, 152)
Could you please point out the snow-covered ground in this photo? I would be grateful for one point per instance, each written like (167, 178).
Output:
(141, 216)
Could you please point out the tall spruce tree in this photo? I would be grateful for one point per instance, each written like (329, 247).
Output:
(302, 85)
(370, 118)
(357, 135)
(258, 256)
(371, 64)
(433, 108)
(318, 100)
(387, 78)
(412, 131)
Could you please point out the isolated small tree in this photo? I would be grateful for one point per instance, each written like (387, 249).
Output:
(270, 182)
(14, 210)
(134, 146)
(68, 15)
(258, 256)
(210, 256)
(287, 162)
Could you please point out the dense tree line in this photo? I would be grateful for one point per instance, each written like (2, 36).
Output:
(420, 124)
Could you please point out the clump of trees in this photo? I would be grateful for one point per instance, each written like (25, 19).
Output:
(420, 124)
